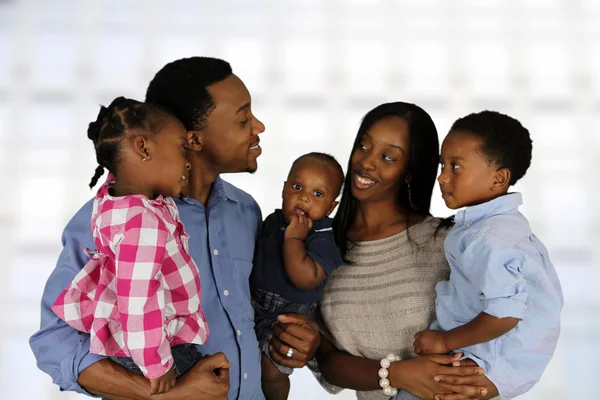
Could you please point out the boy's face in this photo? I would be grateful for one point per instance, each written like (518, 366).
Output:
(310, 190)
(467, 177)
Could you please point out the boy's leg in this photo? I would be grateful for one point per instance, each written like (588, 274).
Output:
(275, 384)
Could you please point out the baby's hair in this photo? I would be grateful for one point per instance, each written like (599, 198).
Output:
(113, 124)
(505, 142)
(322, 157)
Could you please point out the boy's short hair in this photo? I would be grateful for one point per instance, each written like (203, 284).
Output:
(324, 158)
(505, 142)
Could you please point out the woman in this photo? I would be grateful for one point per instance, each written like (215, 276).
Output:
(393, 250)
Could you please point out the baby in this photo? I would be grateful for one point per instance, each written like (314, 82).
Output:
(295, 253)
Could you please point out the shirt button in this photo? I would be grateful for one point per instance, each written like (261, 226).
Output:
(216, 252)
(468, 225)
(245, 375)
(226, 292)
(239, 332)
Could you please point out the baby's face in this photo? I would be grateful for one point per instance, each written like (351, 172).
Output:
(310, 190)
(467, 176)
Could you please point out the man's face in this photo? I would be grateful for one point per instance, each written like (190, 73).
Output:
(231, 141)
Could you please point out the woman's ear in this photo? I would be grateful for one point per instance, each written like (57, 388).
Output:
(195, 140)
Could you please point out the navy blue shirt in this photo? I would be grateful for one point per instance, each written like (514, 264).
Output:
(269, 273)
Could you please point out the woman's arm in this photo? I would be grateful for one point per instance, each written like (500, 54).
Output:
(415, 376)
(345, 370)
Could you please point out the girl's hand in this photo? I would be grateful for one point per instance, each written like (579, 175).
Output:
(417, 375)
(298, 228)
(430, 342)
(164, 383)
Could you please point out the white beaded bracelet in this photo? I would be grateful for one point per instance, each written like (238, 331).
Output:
(383, 374)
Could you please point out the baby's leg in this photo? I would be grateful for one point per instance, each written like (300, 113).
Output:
(275, 384)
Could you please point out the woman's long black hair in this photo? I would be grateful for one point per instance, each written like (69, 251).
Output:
(422, 165)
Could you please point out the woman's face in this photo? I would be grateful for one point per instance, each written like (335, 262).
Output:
(380, 161)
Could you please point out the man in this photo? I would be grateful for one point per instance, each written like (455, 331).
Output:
(222, 220)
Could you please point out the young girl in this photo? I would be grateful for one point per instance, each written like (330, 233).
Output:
(139, 296)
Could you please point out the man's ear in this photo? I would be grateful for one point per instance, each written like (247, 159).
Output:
(195, 140)
(501, 180)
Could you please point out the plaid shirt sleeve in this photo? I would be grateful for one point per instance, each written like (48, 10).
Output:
(139, 253)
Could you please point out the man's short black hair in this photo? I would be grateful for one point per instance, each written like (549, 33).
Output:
(180, 87)
(505, 142)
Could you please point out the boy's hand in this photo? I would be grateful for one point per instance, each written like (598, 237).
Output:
(164, 383)
(430, 342)
(298, 228)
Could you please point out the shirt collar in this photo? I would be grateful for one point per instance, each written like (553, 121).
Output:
(220, 191)
(499, 205)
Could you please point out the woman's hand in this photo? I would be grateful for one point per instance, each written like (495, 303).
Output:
(463, 385)
(417, 376)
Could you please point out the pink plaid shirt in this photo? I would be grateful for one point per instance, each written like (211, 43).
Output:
(140, 293)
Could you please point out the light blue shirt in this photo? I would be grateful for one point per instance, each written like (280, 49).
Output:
(499, 267)
(221, 243)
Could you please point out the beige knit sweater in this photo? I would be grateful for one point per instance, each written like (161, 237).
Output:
(375, 304)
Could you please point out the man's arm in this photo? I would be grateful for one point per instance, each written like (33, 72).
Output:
(60, 350)
(208, 379)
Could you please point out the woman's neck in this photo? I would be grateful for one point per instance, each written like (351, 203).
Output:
(380, 219)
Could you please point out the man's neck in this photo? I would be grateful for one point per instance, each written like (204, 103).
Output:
(202, 177)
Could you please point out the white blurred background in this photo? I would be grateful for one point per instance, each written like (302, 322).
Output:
(314, 68)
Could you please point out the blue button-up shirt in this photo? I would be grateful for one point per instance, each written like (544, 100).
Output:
(498, 266)
(221, 243)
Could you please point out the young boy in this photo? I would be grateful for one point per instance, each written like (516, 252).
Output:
(501, 306)
(295, 252)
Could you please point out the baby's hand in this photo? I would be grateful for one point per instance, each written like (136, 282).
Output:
(164, 383)
(430, 342)
(298, 228)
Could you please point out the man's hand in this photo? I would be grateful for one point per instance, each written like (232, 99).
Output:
(207, 380)
(430, 342)
(164, 383)
(298, 228)
(299, 333)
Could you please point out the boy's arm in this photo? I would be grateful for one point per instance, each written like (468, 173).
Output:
(495, 269)
(481, 329)
(303, 271)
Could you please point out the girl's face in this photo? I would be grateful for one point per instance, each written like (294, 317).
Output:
(380, 161)
(167, 169)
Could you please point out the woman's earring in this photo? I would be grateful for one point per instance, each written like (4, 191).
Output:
(410, 202)
(146, 158)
